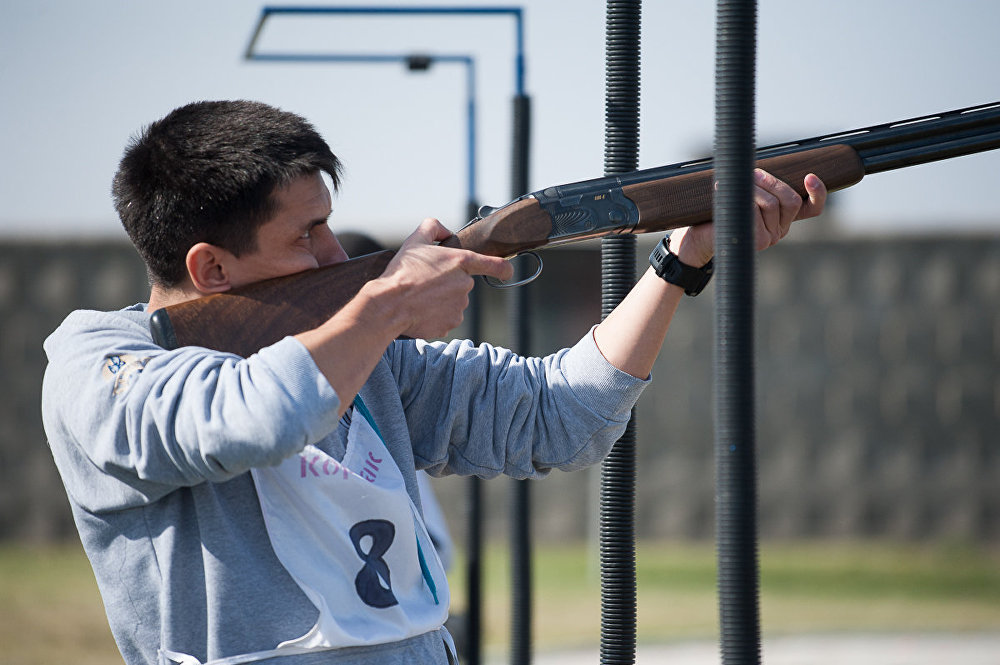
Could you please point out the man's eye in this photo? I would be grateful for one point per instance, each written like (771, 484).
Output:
(308, 232)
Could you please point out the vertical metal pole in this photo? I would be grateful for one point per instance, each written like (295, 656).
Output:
(520, 186)
(474, 538)
(474, 517)
(617, 496)
(736, 492)
(521, 607)
(521, 599)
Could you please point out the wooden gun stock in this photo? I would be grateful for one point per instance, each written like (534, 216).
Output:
(245, 320)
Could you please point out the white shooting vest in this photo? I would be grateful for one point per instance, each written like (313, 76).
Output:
(352, 539)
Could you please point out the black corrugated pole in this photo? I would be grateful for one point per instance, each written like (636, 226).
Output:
(520, 528)
(618, 257)
(474, 518)
(736, 492)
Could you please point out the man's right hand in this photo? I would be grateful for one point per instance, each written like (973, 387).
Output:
(422, 293)
(434, 281)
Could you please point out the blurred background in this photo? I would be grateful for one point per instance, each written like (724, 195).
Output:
(878, 323)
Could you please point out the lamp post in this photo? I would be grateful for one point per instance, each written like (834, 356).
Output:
(415, 63)
(512, 12)
(520, 518)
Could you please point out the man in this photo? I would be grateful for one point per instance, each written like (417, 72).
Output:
(243, 510)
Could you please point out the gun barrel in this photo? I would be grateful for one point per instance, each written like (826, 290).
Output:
(881, 147)
(913, 141)
(665, 197)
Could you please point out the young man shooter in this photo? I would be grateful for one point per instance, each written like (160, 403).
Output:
(266, 508)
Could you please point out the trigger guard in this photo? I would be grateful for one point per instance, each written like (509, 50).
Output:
(497, 284)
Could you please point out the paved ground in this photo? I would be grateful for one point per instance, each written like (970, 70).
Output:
(904, 649)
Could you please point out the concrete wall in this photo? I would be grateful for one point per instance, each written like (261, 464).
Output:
(40, 283)
(879, 395)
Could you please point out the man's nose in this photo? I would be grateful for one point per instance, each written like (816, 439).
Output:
(327, 248)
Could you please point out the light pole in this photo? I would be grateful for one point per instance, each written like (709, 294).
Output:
(520, 508)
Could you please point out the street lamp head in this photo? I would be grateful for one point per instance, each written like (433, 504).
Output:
(419, 63)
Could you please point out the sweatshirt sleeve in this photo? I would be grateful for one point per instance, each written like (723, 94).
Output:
(486, 411)
(134, 421)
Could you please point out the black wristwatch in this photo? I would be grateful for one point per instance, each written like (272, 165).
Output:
(670, 269)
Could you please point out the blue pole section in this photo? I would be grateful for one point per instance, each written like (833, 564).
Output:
(514, 12)
(470, 86)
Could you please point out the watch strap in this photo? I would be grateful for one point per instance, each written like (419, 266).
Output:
(670, 268)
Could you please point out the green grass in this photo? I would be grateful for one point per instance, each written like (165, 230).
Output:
(50, 611)
(805, 588)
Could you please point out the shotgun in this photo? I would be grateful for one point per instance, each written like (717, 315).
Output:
(650, 200)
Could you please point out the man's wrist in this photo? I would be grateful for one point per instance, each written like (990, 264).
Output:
(692, 245)
(669, 267)
(384, 303)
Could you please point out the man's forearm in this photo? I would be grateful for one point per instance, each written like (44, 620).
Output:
(631, 336)
(347, 346)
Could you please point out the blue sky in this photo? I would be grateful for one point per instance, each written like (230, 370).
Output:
(78, 78)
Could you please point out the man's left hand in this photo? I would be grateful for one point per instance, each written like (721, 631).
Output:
(776, 206)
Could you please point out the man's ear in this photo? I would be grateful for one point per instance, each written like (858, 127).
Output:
(207, 268)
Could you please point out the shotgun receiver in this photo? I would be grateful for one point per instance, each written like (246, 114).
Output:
(650, 200)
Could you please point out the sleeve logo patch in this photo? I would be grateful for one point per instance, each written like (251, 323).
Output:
(121, 370)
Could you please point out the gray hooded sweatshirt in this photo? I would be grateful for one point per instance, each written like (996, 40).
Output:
(154, 448)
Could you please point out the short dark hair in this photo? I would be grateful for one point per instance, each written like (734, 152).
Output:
(206, 172)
